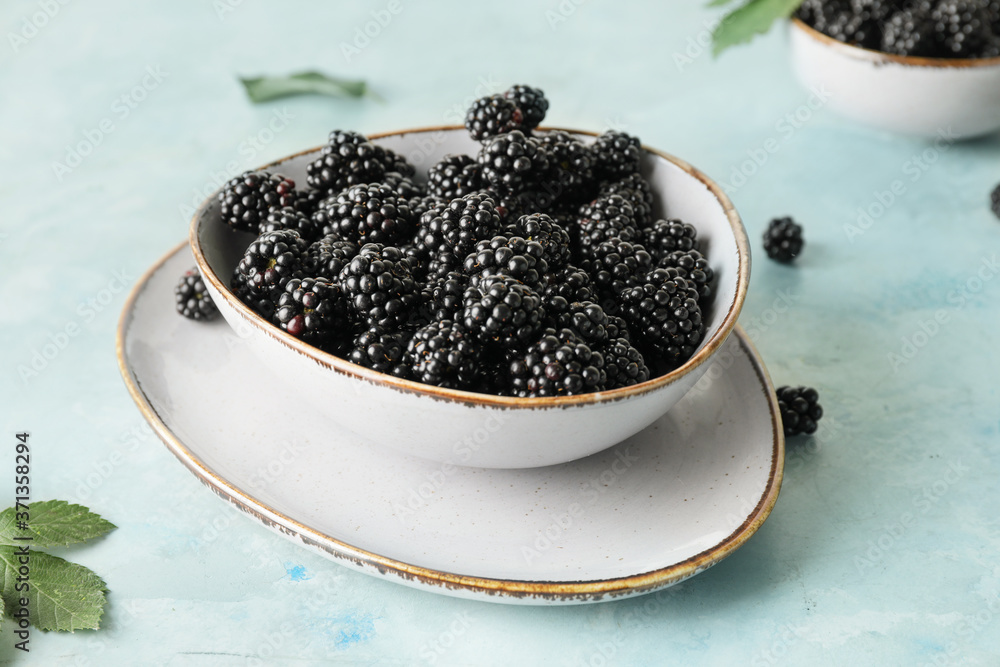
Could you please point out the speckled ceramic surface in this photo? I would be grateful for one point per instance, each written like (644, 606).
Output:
(442, 425)
(652, 511)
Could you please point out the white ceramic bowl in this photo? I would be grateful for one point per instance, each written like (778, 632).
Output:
(466, 428)
(930, 97)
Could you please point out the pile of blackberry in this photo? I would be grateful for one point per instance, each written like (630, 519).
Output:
(925, 28)
(534, 268)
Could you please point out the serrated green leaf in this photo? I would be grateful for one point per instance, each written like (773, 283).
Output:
(61, 595)
(753, 18)
(266, 88)
(52, 523)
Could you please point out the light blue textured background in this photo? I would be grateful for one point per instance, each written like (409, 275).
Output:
(833, 577)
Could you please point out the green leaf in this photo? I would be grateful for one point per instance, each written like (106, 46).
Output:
(751, 19)
(266, 88)
(52, 523)
(61, 595)
(718, 3)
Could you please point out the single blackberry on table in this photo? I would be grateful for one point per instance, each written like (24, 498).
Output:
(509, 255)
(663, 312)
(379, 284)
(327, 257)
(616, 155)
(503, 311)
(783, 240)
(193, 300)
(558, 364)
(491, 116)
(800, 410)
(542, 229)
(616, 264)
(272, 260)
(693, 266)
(637, 192)
(909, 32)
(511, 162)
(347, 159)
(455, 176)
(666, 236)
(995, 201)
(571, 283)
(964, 27)
(606, 218)
(456, 228)
(444, 354)
(586, 319)
(381, 350)
(623, 364)
(246, 199)
(403, 186)
(367, 213)
(531, 102)
(290, 218)
(312, 309)
(442, 298)
(571, 175)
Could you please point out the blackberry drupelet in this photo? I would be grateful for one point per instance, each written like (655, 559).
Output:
(272, 260)
(995, 201)
(800, 410)
(455, 176)
(246, 199)
(623, 364)
(615, 265)
(616, 155)
(450, 233)
(382, 350)
(663, 312)
(605, 218)
(312, 309)
(444, 354)
(441, 298)
(327, 257)
(618, 328)
(586, 319)
(571, 283)
(693, 266)
(542, 229)
(379, 285)
(531, 102)
(193, 300)
(511, 162)
(503, 311)
(509, 255)
(368, 213)
(783, 240)
(491, 116)
(666, 236)
(558, 364)
(347, 159)
(290, 218)
(571, 176)
(637, 192)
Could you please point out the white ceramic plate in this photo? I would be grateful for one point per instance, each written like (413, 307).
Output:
(652, 511)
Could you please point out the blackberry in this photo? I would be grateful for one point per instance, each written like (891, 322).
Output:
(783, 240)
(545, 231)
(380, 286)
(693, 266)
(623, 364)
(290, 218)
(444, 354)
(261, 303)
(557, 365)
(402, 186)
(800, 410)
(663, 312)
(395, 163)
(193, 300)
(605, 218)
(909, 32)
(272, 260)
(246, 199)
(381, 350)
(455, 176)
(571, 283)
(995, 201)
(615, 265)
(616, 155)
(572, 166)
(964, 27)
(637, 192)
(307, 201)
(512, 161)
(531, 102)
(617, 328)
(367, 213)
(420, 205)
(442, 297)
(587, 320)
(503, 311)
(513, 256)
(491, 116)
(456, 228)
(666, 236)
(312, 309)
(347, 159)
(327, 257)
